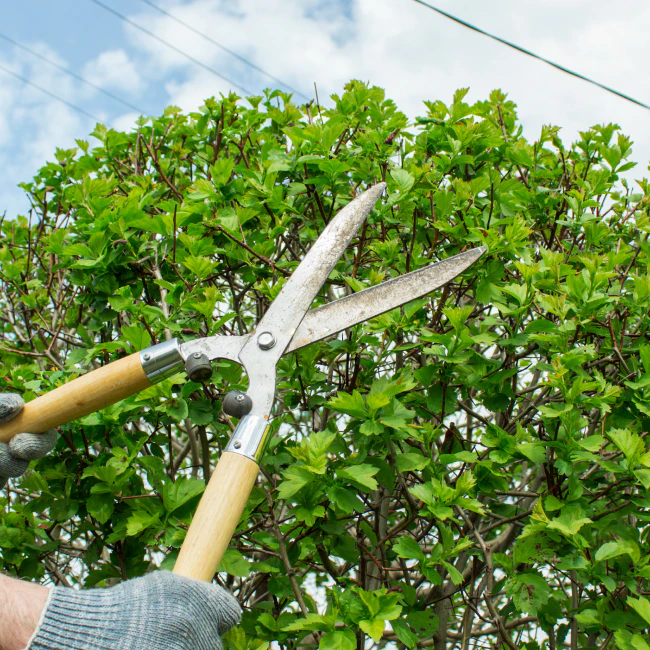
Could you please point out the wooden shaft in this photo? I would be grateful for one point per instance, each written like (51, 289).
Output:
(87, 394)
(217, 516)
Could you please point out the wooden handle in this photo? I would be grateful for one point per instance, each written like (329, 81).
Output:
(217, 516)
(87, 394)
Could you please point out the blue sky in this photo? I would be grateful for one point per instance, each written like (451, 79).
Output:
(412, 52)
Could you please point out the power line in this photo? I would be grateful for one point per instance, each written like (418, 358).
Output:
(51, 94)
(222, 47)
(72, 74)
(529, 53)
(171, 47)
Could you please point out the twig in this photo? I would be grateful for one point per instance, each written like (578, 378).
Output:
(283, 554)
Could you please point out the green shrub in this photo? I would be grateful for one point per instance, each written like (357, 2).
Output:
(469, 470)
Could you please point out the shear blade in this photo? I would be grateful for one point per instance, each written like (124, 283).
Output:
(334, 317)
(290, 306)
(276, 329)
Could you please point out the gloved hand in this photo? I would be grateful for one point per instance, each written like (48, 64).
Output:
(15, 456)
(160, 611)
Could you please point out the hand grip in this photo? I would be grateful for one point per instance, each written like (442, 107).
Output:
(217, 516)
(87, 394)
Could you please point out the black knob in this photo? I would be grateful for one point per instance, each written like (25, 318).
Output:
(237, 404)
(198, 367)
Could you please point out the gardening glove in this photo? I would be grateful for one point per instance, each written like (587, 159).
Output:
(161, 611)
(15, 456)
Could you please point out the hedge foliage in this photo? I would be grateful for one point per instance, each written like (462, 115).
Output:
(471, 470)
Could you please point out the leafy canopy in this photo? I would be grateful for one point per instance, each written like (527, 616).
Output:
(471, 469)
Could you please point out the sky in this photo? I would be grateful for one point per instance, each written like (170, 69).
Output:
(412, 52)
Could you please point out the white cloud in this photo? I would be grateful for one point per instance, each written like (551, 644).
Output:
(414, 53)
(113, 69)
(32, 124)
(125, 122)
(417, 54)
(192, 91)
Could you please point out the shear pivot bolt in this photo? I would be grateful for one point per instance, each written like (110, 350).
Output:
(237, 404)
(198, 367)
(266, 340)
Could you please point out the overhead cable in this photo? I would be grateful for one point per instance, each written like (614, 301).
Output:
(51, 94)
(72, 74)
(523, 50)
(222, 47)
(189, 57)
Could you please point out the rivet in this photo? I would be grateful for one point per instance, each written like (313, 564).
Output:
(266, 340)
(146, 357)
(236, 444)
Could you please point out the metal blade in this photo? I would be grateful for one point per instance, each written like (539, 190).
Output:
(336, 316)
(276, 329)
(289, 307)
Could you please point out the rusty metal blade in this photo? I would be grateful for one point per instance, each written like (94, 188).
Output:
(336, 316)
(276, 329)
(294, 300)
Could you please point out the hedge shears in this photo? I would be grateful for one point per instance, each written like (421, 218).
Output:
(288, 325)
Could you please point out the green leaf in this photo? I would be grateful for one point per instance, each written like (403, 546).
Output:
(349, 404)
(201, 411)
(137, 336)
(201, 267)
(627, 641)
(361, 474)
(455, 575)
(345, 499)
(411, 462)
(425, 624)
(295, 478)
(588, 617)
(180, 492)
(534, 451)
(169, 562)
(611, 550)
(403, 179)
(140, 521)
(517, 291)
(221, 171)
(373, 628)
(458, 316)
(309, 515)
(629, 443)
(338, 640)
(235, 564)
(310, 622)
(101, 506)
(404, 634)
(106, 474)
(406, 547)
(570, 521)
(178, 409)
(641, 606)
(529, 592)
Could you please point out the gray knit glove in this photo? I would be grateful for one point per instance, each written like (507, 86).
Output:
(15, 456)
(161, 611)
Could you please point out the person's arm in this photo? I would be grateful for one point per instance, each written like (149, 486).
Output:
(21, 606)
(160, 611)
(21, 603)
